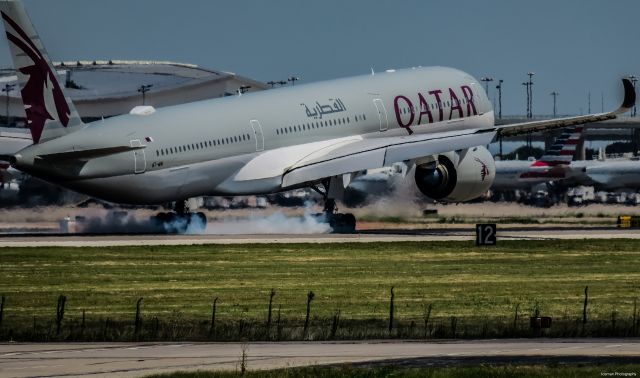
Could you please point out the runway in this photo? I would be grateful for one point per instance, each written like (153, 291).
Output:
(136, 359)
(466, 233)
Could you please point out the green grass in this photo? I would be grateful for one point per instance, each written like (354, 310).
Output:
(539, 371)
(458, 279)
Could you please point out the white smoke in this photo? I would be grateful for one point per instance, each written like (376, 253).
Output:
(275, 223)
(403, 200)
(114, 222)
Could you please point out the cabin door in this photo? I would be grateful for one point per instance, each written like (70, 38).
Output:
(139, 159)
(257, 132)
(382, 114)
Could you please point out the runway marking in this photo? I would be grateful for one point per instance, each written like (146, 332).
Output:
(33, 367)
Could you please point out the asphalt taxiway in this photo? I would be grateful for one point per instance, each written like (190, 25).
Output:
(136, 359)
(365, 236)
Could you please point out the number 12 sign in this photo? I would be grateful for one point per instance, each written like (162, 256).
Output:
(486, 234)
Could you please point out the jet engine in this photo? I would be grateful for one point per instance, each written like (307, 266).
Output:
(457, 176)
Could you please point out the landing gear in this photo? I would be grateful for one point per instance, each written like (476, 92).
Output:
(180, 221)
(339, 223)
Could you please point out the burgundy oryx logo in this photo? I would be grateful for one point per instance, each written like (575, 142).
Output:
(484, 170)
(42, 82)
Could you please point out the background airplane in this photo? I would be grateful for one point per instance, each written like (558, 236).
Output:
(318, 135)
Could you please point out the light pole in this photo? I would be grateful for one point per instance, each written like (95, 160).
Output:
(526, 84)
(144, 89)
(555, 95)
(8, 88)
(272, 83)
(499, 88)
(633, 79)
(530, 93)
(293, 80)
(486, 81)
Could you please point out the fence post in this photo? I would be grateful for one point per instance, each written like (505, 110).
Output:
(1, 311)
(83, 323)
(212, 328)
(272, 293)
(310, 296)
(635, 316)
(60, 312)
(138, 322)
(391, 310)
(427, 315)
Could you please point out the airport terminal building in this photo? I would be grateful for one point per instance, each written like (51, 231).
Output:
(108, 88)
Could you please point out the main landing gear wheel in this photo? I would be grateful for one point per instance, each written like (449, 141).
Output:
(342, 223)
(339, 223)
(179, 222)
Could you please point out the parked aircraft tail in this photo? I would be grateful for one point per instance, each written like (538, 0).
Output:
(50, 113)
(563, 149)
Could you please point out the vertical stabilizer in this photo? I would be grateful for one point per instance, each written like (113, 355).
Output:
(564, 148)
(50, 113)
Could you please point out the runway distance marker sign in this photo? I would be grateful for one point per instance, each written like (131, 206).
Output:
(486, 234)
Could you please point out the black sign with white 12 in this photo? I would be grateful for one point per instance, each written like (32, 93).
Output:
(486, 234)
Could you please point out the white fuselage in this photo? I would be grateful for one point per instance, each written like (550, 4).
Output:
(199, 148)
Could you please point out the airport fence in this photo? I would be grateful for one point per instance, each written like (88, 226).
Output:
(177, 327)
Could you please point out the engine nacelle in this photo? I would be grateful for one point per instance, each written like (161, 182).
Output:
(457, 176)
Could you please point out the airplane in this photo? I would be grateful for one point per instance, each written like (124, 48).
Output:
(317, 135)
(604, 174)
(552, 166)
(558, 167)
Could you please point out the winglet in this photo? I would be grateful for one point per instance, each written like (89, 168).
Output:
(629, 96)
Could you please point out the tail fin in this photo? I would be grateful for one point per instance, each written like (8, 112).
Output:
(50, 113)
(564, 147)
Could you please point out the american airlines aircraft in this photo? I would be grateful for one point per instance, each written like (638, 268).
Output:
(552, 166)
(319, 135)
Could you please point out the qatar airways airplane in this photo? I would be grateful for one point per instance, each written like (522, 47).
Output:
(318, 135)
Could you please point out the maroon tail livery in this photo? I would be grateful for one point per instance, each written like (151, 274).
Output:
(41, 79)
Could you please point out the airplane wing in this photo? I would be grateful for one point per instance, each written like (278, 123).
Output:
(377, 153)
(309, 163)
(535, 126)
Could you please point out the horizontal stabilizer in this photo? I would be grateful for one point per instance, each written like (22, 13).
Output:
(88, 154)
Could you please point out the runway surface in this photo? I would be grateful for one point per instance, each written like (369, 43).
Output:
(136, 359)
(367, 236)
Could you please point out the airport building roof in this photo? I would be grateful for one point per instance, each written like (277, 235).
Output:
(108, 88)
